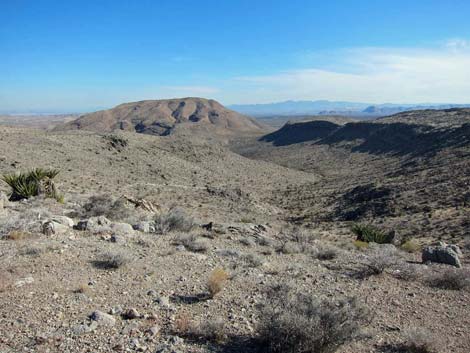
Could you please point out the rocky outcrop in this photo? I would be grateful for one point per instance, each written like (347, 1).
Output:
(442, 253)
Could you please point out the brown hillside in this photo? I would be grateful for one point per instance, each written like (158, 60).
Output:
(159, 117)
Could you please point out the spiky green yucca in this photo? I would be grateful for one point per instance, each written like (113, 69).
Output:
(370, 234)
(26, 185)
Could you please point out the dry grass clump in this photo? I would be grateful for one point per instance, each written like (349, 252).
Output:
(209, 329)
(175, 219)
(296, 322)
(361, 245)
(17, 235)
(453, 279)
(420, 341)
(111, 261)
(411, 246)
(216, 281)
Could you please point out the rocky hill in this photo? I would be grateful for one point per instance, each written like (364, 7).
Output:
(161, 117)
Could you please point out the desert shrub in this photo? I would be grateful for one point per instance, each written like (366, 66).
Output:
(420, 341)
(289, 247)
(174, 220)
(183, 324)
(192, 242)
(216, 281)
(380, 259)
(252, 260)
(211, 329)
(117, 142)
(453, 279)
(293, 322)
(111, 208)
(111, 261)
(325, 252)
(411, 246)
(370, 234)
(407, 272)
(32, 183)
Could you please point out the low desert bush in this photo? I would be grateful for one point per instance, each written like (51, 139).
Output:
(379, 259)
(208, 330)
(420, 341)
(292, 322)
(325, 252)
(111, 261)
(252, 260)
(453, 279)
(175, 219)
(111, 208)
(216, 281)
(117, 142)
(192, 242)
(32, 183)
(370, 234)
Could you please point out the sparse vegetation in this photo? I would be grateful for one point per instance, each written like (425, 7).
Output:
(111, 261)
(105, 205)
(216, 281)
(192, 242)
(380, 259)
(361, 245)
(325, 252)
(34, 183)
(176, 219)
(296, 322)
(370, 234)
(117, 142)
(420, 341)
(452, 279)
(411, 246)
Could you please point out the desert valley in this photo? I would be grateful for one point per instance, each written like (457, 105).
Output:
(180, 225)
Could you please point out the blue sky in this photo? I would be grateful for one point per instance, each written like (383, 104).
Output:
(81, 55)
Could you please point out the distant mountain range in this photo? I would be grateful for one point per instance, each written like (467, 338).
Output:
(324, 107)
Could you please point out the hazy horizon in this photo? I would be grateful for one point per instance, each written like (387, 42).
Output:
(61, 57)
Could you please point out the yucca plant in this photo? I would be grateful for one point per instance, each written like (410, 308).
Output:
(370, 234)
(28, 184)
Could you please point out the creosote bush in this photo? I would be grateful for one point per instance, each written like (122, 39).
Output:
(370, 234)
(293, 322)
(176, 219)
(33, 183)
(216, 281)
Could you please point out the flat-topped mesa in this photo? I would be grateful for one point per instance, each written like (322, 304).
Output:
(160, 117)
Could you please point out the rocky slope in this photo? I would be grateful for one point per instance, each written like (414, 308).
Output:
(160, 117)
